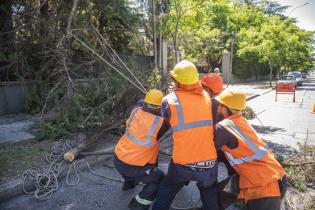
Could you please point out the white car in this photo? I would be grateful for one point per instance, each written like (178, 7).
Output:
(287, 79)
(297, 76)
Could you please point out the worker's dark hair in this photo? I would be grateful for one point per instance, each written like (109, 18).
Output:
(229, 111)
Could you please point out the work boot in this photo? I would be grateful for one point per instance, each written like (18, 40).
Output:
(128, 185)
(135, 205)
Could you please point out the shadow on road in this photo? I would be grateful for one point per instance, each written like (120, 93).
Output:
(306, 88)
(281, 149)
(266, 129)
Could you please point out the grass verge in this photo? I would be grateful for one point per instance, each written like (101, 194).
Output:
(16, 157)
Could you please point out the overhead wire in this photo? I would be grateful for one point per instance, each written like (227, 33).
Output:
(143, 90)
(104, 40)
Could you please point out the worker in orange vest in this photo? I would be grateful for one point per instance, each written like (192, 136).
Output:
(137, 150)
(188, 111)
(262, 180)
(212, 83)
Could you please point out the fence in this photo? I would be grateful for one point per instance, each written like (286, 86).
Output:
(13, 94)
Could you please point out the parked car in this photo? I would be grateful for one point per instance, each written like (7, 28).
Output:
(287, 79)
(297, 76)
(304, 75)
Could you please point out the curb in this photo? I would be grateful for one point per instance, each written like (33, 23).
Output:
(252, 97)
(11, 189)
(257, 95)
(15, 187)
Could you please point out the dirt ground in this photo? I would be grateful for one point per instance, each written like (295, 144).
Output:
(16, 157)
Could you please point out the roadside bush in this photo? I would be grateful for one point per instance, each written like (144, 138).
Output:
(91, 104)
(300, 169)
(248, 113)
(310, 205)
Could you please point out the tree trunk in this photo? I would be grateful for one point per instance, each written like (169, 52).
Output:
(6, 38)
(256, 71)
(43, 10)
(176, 33)
(270, 74)
(154, 35)
(43, 30)
(6, 23)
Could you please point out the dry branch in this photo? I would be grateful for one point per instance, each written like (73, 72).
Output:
(107, 151)
(299, 164)
(72, 154)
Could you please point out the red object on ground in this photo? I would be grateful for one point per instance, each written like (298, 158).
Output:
(285, 88)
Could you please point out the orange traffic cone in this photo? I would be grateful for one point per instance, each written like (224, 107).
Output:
(313, 111)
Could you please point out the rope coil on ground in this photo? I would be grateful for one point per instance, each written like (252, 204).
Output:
(45, 180)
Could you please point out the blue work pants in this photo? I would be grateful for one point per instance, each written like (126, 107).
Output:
(180, 175)
(149, 174)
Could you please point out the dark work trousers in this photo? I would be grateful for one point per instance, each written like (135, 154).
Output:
(221, 158)
(180, 175)
(270, 203)
(149, 174)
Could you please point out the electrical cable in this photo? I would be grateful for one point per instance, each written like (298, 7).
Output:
(120, 73)
(120, 59)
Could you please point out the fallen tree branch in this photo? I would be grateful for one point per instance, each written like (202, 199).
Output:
(96, 108)
(299, 164)
(106, 151)
(72, 154)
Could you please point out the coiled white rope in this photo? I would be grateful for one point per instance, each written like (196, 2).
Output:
(45, 180)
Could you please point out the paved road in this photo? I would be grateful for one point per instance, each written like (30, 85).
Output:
(96, 193)
(285, 122)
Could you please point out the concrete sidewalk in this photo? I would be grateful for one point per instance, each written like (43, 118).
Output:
(18, 127)
(251, 89)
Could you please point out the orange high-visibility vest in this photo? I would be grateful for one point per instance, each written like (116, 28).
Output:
(191, 123)
(258, 169)
(139, 145)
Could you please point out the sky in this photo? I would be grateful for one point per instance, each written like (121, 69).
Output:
(305, 14)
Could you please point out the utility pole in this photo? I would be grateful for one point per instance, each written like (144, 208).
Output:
(231, 61)
(160, 65)
(154, 35)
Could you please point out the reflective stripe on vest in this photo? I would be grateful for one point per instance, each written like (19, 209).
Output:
(258, 153)
(147, 142)
(181, 124)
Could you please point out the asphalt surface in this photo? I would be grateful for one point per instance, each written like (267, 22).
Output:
(94, 192)
(18, 127)
(284, 123)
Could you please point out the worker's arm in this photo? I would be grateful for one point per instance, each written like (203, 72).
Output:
(215, 113)
(223, 137)
(165, 110)
(139, 104)
(166, 114)
(163, 129)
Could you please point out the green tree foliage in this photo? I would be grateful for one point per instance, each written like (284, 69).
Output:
(73, 87)
(262, 37)
(33, 33)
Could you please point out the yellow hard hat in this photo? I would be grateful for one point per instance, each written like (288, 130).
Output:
(232, 99)
(154, 97)
(185, 73)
